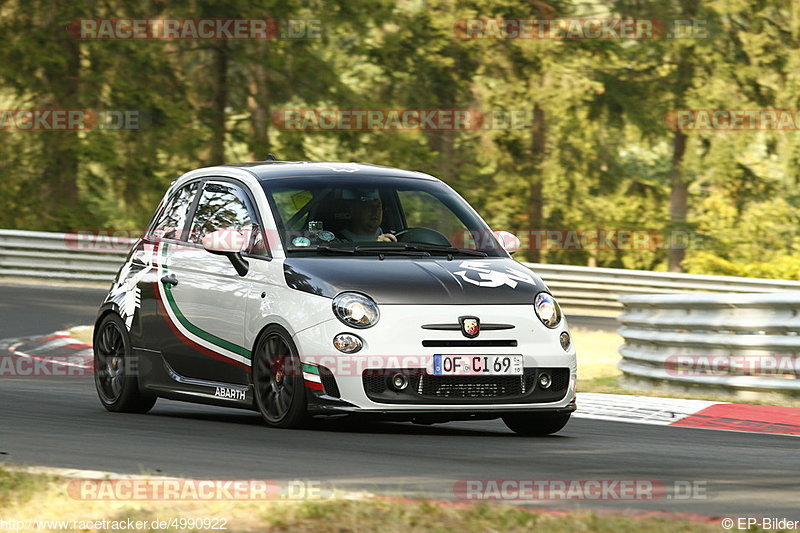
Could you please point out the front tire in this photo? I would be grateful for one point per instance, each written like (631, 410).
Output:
(278, 380)
(536, 424)
(115, 377)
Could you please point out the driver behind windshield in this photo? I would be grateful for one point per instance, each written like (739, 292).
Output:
(366, 214)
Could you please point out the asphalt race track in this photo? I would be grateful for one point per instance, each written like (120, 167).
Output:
(59, 422)
(34, 308)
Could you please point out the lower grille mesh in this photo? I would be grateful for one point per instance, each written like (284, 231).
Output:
(478, 386)
(560, 379)
(329, 382)
(423, 385)
(374, 383)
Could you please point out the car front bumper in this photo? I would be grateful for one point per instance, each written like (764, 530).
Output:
(398, 342)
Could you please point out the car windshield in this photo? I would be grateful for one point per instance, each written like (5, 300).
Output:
(376, 215)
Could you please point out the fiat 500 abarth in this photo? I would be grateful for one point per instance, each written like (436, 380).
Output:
(300, 289)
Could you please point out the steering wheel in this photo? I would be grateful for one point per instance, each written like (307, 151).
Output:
(423, 236)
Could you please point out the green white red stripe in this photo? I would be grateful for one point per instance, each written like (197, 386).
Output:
(191, 331)
(312, 377)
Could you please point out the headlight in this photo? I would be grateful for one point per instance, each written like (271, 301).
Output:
(356, 310)
(547, 309)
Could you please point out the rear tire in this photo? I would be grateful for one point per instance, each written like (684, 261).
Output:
(536, 424)
(278, 382)
(115, 375)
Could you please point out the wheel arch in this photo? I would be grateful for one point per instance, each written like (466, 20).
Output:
(260, 335)
(106, 309)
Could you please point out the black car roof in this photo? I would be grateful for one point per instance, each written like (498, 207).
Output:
(266, 170)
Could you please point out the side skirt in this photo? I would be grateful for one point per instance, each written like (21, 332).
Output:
(158, 377)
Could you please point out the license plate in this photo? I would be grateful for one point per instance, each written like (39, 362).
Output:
(477, 365)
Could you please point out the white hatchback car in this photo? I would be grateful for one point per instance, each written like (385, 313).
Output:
(299, 289)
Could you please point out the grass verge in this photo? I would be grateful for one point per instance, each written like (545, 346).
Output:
(48, 500)
(18, 488)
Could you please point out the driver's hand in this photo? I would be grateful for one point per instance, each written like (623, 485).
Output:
(387, 237)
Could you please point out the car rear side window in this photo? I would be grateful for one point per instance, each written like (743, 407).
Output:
(221, 207)
(173, 219)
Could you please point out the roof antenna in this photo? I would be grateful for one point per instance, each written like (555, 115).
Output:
(270, 157)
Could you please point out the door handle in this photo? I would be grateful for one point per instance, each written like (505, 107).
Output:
(169, 279)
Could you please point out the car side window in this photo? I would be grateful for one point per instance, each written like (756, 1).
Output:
(173, 219)
(225, 207)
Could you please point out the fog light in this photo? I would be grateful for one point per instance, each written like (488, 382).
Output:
(544, 380)
(565, 340)
(398, 382)
(347, 342)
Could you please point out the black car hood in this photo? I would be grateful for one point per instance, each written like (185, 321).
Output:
(416, 281)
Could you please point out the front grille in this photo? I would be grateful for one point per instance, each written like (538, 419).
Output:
(478, 386)
(468, 343)
(427, 388)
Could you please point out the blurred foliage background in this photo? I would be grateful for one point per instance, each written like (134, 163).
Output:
(596, 153)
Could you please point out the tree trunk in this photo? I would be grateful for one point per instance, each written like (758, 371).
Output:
(258, 105)
(60, 172)
(443, 142)
(678, 203)
(219, 103)
(535, 185)
(678, 182)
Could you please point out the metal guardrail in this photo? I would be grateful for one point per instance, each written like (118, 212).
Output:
(69, 256)
(61, 256)
(739, 341)
(579, 288)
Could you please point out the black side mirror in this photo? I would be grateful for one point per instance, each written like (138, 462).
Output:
(228, 243)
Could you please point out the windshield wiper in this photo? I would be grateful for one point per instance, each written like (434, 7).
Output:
(392, 250)
(322, 248)
(414, 250)
(426, 249)
(449, 250)
(370, 250)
